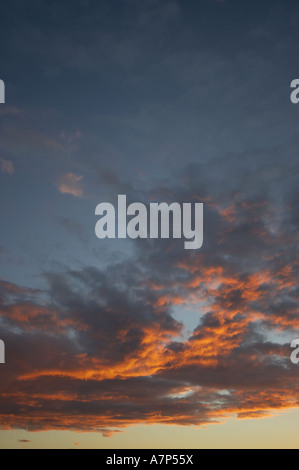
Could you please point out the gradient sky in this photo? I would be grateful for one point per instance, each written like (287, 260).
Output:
(140, 343)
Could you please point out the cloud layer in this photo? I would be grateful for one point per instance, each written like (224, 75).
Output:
(162, 101)
(101, 349)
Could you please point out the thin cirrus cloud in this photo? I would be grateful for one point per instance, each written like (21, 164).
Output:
(70, 183)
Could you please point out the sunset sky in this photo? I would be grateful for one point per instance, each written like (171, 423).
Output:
(141, 343)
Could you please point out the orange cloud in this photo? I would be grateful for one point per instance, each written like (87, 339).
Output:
(70, 184)
(89, 365)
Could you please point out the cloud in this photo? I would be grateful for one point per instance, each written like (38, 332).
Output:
(108, 432)
(6, 166)
(70, 184)
(105, 344)
(101, 349)
(111, 346)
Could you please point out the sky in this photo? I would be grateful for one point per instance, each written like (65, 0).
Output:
(139, 343)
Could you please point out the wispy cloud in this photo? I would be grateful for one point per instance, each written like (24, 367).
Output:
(7, 166)
(70, 184)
